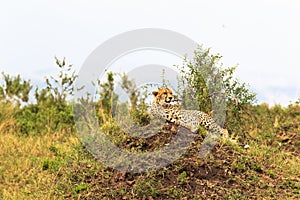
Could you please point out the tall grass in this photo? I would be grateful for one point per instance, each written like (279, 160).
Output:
(7, 119)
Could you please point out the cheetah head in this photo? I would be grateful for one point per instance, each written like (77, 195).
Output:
(162, 96)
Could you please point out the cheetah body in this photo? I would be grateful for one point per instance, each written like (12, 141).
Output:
(191, 119)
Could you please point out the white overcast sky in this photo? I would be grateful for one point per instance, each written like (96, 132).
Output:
(262, 36)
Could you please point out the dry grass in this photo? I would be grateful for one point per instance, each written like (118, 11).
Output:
(7, 120)
(22, 162)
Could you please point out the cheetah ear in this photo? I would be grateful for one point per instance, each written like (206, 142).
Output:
(154, 93)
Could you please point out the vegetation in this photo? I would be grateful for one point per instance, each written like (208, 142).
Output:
(42, 157)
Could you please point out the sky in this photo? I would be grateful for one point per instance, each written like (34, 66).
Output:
(260, 36)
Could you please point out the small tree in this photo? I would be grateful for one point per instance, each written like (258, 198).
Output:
(206, 86)
(62, 86)
(106, 104)
(138, 106)
(52, 112)
(15, 90)
(131, 89)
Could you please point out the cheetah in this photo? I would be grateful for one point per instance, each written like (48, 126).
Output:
(162, 107)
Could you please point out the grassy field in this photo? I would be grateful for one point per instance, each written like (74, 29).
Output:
(57, 166)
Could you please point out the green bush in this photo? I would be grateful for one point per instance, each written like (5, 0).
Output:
(51, 112)
(205, 85)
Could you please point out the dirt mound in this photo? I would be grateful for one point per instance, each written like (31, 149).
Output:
(230, 171)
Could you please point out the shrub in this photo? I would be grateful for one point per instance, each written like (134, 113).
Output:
(13, 93)
(14, 90)
(205, 85)
(51, 112)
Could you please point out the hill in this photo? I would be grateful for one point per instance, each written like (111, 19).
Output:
(57, 166)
